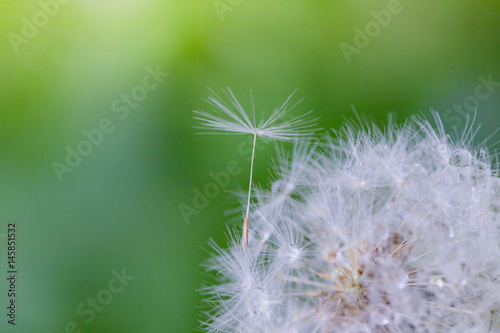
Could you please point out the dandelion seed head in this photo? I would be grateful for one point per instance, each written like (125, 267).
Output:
(369, 230)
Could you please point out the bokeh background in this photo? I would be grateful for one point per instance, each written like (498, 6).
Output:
(119, 208)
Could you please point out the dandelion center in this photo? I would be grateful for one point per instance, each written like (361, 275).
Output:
(353, 279)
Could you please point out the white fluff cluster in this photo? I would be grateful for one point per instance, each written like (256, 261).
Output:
(223, 119)
(394, 230)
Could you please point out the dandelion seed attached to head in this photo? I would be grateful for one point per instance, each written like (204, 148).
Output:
(232, 118)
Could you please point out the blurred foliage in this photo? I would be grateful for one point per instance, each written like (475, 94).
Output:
(119, 207)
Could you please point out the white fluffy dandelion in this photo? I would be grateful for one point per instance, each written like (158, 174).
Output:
(393, 230)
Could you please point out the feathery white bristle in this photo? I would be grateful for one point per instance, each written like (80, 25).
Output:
(231, 118)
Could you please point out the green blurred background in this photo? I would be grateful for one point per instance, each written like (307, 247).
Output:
(119, 208)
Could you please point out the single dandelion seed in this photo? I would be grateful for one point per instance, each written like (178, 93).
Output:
(231, 118)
